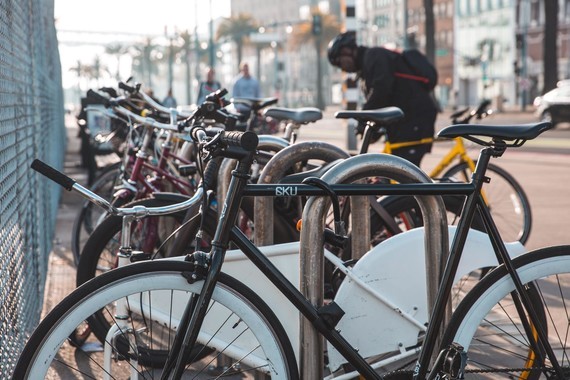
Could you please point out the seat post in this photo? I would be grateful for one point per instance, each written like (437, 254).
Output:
(478, 176)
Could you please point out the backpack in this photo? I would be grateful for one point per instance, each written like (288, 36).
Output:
(418, 69)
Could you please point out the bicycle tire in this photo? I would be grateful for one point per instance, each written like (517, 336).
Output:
(89, 215)
(508, 202)
(488, 339)
(242, 316)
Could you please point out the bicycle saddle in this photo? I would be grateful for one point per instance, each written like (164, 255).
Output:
(298, 115)
(502, 132)
(383, 116)
(255, 103)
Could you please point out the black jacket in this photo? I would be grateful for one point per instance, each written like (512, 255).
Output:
(382, 89)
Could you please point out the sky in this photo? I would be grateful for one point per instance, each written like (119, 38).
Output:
(122, 21)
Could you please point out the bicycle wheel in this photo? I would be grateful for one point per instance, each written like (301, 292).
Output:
(506, 199)
(238, 325)
(489, 329)
(90, 215)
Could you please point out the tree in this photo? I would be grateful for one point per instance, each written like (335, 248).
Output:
(117, 50)
(143, 62)
(237, 28)
(550, 58)
(305, 33)
(187, 38)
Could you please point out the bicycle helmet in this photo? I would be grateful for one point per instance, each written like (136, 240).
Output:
(346, 39)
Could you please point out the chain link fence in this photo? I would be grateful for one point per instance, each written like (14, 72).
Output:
(31, 126)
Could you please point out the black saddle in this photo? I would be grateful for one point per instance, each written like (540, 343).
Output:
(382, 116)
(518, 133)
(302, 115)
(255, 103)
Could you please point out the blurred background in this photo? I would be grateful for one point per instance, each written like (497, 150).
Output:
(509, 51)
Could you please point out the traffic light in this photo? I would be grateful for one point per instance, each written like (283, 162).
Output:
(317, 24)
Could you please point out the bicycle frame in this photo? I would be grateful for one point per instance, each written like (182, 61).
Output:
(187, 334)
(141, 162)
(457, 151)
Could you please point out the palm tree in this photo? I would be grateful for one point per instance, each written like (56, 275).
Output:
(117, 50)
(143, 62)
(82, 71)
(303, 34)
(237, 28)
(187, 38)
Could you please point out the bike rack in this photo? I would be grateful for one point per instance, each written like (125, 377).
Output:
(266, 142)
(276, 169)
(312, 240)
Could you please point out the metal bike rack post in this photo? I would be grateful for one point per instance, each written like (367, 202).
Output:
(312, 240)
(266, 142)
(276, 169)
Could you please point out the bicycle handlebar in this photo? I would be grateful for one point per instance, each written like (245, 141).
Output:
(53, 174)
(136, 211)
(245, 140)
(147, 98)
(148, 121)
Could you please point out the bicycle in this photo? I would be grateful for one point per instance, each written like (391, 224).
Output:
(200, 273)
(504, 195)
(137, 176)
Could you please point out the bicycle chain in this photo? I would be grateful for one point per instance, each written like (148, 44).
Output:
(406, 374)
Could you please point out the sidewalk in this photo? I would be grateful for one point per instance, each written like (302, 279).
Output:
(61, 270)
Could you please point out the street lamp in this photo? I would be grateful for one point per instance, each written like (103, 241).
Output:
(211, 41)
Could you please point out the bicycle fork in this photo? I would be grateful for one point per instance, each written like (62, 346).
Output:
(536, 333)
(207, 266)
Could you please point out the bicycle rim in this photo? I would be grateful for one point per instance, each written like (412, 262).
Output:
(239, 328)
(490, 330)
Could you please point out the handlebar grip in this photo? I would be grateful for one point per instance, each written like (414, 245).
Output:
(246, 140)
(53, 174)
(95, 96)
(126, 87)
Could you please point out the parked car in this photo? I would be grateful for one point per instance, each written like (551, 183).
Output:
(554, 106)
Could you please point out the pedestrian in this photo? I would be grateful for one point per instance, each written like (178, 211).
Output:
(169, 101)
(208, 86)
(387, 80)
(245, 86)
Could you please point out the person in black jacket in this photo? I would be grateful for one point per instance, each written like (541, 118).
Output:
(376, 68)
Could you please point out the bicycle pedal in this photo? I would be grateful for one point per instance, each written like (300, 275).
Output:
(454, 361)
